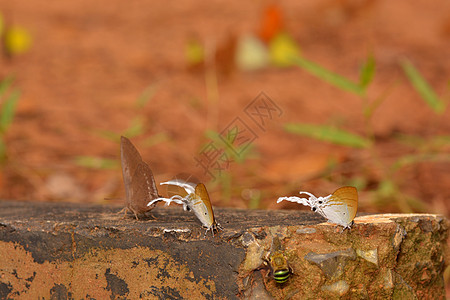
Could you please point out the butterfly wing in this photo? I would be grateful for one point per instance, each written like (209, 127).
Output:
(140, 186)
(349, 196)
(341, 206)
(186, 188)
(202, 206)
(130, 159)
(336, 213)
(143, 189)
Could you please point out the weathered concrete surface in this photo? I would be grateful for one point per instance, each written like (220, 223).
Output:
(395, 256)
(74, 251)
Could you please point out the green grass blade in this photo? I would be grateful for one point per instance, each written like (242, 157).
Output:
(8, 110)
(156, 139)
(136, 128)
(97, 163)
(367, 72)
(422, 87)
(328, 134)
(146, 96)
(239, 154)
(108, 135)
(411, 159)
(232, 134)
(5, 84)
(328, 76)
(2, 150)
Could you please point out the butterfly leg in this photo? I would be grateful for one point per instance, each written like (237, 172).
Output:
(215, 226)
(341, 231)
(135, 213)
(123, 211)
(208, 229)
(348, 227)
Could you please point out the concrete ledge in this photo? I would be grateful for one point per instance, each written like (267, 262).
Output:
(74, 251)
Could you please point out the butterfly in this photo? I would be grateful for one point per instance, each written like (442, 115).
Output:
(140, 186)
(195, 198)
(338, 208)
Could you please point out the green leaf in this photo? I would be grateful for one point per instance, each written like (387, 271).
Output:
(146, 95)
(108, 134)
(156, 139)
(387, 188)
(367, 72)
(370, 108)
(328, 134)
(231, 135)
(239, 154)
(136, 128)
(422, 87)
(255, 199)
(97, 163)
(440, 141)
(8, 110)
(5, 84)
(411, 159)
(2, 151)
(246, 152)
(328, 76)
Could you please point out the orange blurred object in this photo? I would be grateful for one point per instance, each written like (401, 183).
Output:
(271, 23)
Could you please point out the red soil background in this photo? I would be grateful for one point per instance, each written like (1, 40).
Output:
(91, 61)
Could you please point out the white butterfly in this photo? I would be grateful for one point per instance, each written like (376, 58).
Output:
(338, 208)
(196, 199)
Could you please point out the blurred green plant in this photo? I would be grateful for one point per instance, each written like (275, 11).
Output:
(335, 79)
(388, 189)
(136, 128)
(329, 134)
(98, 163)
(422, 87)
(241, 155)
(147, 95)
(9, 97)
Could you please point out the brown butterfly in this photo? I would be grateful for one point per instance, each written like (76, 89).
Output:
(140, 186)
